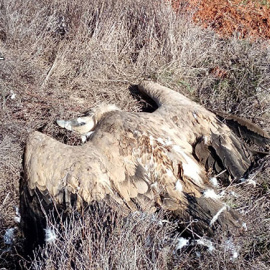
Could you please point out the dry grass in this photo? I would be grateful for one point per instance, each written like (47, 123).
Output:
(103, 239)
(62, 57)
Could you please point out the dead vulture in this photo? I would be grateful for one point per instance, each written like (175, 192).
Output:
(138, 161)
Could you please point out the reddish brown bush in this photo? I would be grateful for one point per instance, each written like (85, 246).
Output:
(246, 18)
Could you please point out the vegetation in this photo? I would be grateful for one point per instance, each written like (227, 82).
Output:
(61, 58)
(244, 18)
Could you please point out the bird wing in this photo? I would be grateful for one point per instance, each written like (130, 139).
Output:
(214, 143)
(140, 161)
(58, 169)
(128, 159)
(245, 129)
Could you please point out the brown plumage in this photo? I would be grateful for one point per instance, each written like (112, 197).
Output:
(138, 161)
(245, 129)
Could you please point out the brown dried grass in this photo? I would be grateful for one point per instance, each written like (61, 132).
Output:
(62, 57)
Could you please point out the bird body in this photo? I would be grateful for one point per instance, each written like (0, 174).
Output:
(140, 161)
(122, 160)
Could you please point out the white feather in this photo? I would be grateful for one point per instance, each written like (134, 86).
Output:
(160, 140)
(17, 217)
(215, 217)
(169, 173)
(182, 242)
(50, 235)
(210, 193)
(151, 140)
(244, 226)
(178, 186)
(9, 236)
(13, 95)
(207, 243)
(190, 167)
(214, 181)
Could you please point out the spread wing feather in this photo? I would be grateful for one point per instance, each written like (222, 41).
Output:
(200, 127)
(246, 129)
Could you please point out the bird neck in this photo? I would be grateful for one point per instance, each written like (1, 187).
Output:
(102, 109)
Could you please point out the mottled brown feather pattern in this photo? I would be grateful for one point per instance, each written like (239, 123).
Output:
(143, 161)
